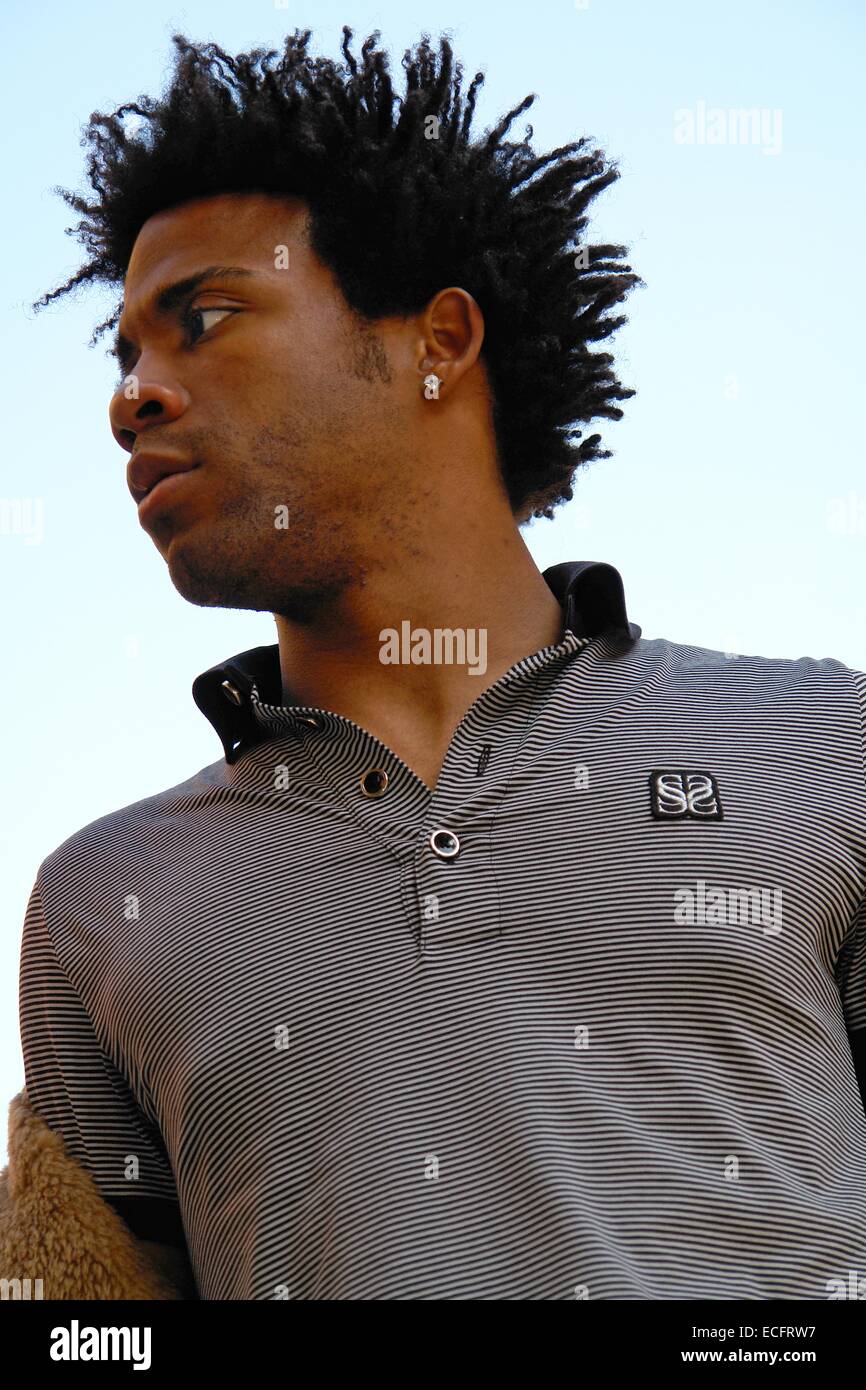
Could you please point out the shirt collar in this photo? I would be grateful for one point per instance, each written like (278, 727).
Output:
(590, 592)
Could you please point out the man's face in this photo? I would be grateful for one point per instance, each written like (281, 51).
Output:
(266, 382)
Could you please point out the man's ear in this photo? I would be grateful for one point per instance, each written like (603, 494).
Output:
(450, 339)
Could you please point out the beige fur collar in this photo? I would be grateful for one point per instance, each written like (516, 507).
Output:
(55, 1227)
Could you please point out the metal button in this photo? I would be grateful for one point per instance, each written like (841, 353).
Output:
(444, 843)
(232, 693)
(374, 781)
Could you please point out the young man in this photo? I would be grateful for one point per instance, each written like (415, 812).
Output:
(505, 954)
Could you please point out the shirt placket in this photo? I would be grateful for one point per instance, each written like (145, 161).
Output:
(442, 839)
(454, 877)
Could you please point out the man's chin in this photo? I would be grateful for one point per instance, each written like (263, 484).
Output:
(196, 577)
(204, 578)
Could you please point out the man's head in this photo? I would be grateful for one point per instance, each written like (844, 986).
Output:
(370, 242)
(303, 424)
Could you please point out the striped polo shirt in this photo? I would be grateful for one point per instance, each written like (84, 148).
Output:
(585, 1021)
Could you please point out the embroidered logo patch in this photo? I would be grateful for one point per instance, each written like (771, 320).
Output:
(679, 795)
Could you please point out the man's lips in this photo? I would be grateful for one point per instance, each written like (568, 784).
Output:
(145, 471)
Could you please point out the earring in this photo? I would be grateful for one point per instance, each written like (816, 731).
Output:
(431, 387)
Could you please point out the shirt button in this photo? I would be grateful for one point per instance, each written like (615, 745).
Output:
(374, 781)
(444, 843)
(232, 693)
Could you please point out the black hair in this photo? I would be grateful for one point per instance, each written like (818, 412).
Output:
(402, 203)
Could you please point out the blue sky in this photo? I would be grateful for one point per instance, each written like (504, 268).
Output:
(735, 503)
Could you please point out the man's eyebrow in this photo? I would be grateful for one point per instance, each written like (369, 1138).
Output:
(168, 298)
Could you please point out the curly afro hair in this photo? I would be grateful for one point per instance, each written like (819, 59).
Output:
(402, 202)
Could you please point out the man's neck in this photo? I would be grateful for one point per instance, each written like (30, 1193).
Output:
(467, 618)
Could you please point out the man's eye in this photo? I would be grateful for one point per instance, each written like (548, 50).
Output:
(199, 321)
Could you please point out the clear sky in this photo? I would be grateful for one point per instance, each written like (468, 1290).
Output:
(735, 503)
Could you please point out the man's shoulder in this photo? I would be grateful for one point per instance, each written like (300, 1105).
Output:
(749, 670)
(797, 699)
(136, 832)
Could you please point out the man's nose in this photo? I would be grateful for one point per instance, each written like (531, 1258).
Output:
(137, 404)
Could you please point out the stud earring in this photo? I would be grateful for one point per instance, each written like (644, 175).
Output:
(431, 387)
